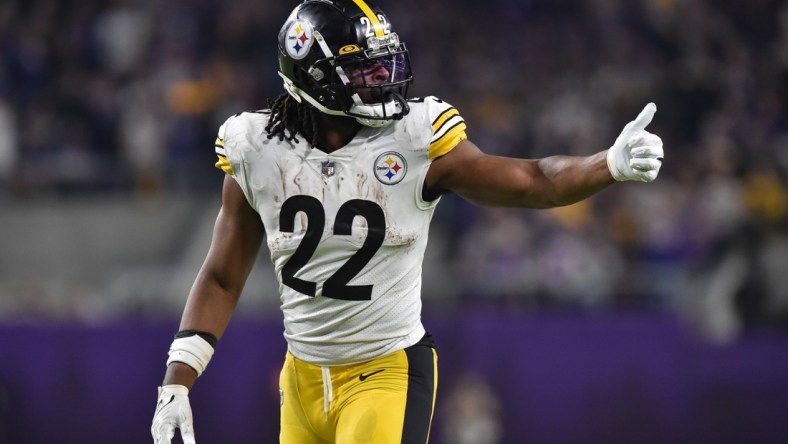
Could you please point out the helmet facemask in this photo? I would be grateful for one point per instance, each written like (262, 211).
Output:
(373, 83)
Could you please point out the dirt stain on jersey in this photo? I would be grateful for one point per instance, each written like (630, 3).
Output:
(394, 236)
(292, 180)
(361, 184)
(298, 181)
(282, 179)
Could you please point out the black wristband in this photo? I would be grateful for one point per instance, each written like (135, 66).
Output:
(209, 337)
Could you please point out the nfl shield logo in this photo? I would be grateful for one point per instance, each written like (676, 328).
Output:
(327, 168)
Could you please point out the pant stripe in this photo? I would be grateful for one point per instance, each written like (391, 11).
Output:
(420, 403)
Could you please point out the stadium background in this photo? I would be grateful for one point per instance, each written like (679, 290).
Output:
(650, 313)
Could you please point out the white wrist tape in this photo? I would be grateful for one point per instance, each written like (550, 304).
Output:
(193, 351)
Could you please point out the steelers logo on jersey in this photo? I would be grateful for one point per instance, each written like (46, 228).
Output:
(390, 168)
(299, 39)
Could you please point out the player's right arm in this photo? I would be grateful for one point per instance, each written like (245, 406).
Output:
(237, 236)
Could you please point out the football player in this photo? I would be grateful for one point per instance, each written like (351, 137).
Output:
(341, 176)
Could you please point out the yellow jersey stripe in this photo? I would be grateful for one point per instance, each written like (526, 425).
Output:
(448, 141)
(446, 115)
(371, 16)
(224, 165)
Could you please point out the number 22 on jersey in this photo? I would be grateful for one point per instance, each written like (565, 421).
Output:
(336, 286)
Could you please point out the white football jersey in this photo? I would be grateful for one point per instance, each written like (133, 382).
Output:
(346, 230)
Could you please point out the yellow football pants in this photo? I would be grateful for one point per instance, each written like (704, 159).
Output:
(389, 400)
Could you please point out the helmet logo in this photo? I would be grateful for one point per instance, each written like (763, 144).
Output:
(299, 39)
(390, 168)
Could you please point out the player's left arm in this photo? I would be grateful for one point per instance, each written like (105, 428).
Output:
(551, 181)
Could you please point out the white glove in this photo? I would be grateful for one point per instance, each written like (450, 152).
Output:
(637, 154)
(172, 410)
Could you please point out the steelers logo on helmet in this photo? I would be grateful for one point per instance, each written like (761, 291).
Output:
(390, 168)
(299, 39)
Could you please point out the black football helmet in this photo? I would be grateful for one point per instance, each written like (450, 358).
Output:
(342, 57)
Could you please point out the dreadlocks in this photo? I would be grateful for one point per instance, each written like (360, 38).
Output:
(295, 118)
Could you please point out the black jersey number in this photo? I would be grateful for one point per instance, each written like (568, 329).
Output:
(336, 286)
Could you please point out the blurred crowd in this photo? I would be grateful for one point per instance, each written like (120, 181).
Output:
(125, 96)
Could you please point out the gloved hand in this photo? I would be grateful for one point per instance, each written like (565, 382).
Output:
(172, 410)
(637, 154)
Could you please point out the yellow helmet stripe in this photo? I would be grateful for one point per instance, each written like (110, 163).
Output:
(371, 16)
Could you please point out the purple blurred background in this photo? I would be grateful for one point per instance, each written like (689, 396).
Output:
(557, 379)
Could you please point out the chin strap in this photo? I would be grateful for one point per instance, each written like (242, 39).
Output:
(300, 96)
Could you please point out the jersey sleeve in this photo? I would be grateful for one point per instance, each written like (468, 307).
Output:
(223, 163)
(238, 140)
(448, 127)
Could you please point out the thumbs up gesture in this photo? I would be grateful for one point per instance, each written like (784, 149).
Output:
(636, 154)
